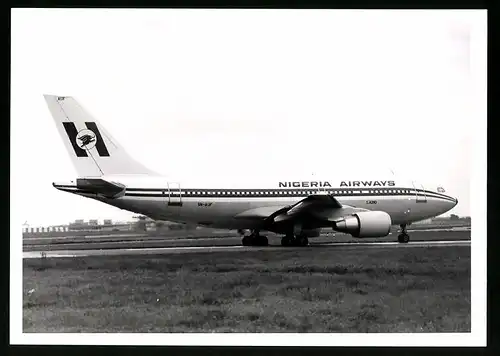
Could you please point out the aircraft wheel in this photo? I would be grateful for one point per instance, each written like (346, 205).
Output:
(403, 238)
(261, 241)
(286, 241)
(302, 241)
(246, 241)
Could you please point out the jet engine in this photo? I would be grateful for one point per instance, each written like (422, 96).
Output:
(365, 224)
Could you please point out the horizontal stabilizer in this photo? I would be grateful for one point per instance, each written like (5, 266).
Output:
(100, 186)
(85, 186)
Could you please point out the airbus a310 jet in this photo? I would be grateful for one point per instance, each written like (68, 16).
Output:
(295, 209)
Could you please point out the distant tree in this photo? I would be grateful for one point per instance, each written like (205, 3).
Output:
(454, 217)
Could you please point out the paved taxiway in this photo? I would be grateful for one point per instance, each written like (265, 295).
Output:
(196, 249)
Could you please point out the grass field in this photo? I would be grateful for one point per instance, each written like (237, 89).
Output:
(307, 290)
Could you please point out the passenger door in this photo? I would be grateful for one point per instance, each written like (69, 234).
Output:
(174, 194)
(420, 196)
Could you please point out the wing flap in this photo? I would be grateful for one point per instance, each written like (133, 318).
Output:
(260, 213)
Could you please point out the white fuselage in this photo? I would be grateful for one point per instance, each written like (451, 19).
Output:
(224, 205)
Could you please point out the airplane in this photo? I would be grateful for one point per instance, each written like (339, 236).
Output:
(296, 209)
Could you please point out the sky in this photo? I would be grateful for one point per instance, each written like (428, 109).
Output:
(245, 94)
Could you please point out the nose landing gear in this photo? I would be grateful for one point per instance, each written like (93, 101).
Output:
(403, 237)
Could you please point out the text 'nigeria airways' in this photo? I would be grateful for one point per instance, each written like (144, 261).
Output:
(349, 183)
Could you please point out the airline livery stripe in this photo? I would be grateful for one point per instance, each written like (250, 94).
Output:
(101, 147)
(275, 193)
(71, 132)
(290, 192)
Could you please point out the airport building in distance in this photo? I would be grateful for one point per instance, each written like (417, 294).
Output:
(142, 223)
(94, 225)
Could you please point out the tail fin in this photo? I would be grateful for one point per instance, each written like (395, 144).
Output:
(92, 149)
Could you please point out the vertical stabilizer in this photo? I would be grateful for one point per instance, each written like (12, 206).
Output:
(92, 149)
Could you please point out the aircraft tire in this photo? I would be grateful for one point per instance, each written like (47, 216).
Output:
(403, 238)
(302, 241)
(286, 241)
(262, 241)
(246, 241)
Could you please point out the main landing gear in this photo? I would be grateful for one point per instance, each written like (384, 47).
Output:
(403, 236)
(292, 240)
(254, 239)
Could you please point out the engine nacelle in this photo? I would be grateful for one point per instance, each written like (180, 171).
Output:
(365, 224)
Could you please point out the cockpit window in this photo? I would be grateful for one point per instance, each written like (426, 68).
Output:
(440, 190)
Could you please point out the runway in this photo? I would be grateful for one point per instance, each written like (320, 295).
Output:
(201, 249)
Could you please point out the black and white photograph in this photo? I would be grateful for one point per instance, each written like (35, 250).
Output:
(248, 177)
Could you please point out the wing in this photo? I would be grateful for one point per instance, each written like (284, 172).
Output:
(322, 207)
(312, 205)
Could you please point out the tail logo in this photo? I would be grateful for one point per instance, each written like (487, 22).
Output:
(86, 139)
